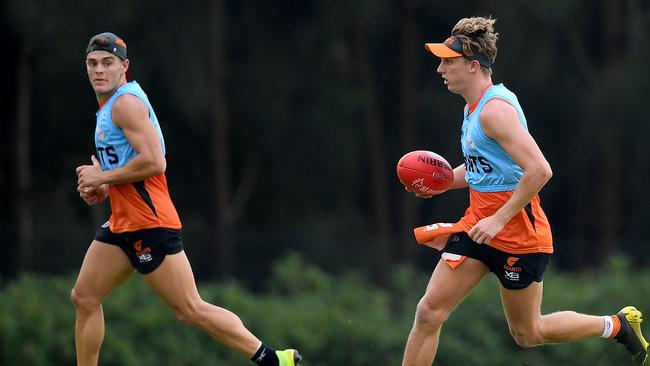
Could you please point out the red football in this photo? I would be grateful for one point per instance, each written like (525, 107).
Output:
(424, 172)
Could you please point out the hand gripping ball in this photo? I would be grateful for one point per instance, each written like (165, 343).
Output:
(424, 172)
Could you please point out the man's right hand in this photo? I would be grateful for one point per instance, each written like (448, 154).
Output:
(429, 196)
(93, 196)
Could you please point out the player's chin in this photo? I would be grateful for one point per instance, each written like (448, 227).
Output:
(99, 89)
(452, 89)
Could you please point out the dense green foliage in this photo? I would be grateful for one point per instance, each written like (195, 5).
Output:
(333, 320)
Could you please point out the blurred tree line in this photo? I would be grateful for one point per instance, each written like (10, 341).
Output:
(284, 120)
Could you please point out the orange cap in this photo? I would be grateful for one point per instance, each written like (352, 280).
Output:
(453, 47)
(445, 49)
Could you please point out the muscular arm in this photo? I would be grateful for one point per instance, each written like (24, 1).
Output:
(132, 115)
(500, 121)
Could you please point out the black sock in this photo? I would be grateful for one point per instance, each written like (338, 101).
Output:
(265, 356)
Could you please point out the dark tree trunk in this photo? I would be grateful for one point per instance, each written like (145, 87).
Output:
(609, 214)
(228, 203)
(23, 171)
(407, 120)
(223, 241)
(375, 144)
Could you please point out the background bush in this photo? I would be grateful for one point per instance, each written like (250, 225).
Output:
(339, 319)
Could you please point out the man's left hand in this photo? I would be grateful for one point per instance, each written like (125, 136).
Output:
(486, 228)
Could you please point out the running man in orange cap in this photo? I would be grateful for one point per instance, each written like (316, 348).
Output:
(504, 230)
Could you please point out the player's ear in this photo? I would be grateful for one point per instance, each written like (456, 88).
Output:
(474, 65)
(125, 62)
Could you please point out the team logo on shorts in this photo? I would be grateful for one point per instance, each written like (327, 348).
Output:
(142, 253)
(511, 270)
(511, 261)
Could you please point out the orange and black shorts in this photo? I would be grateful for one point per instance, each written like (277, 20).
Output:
(147, 248)
(514, 271)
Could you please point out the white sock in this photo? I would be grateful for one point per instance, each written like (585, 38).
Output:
(609, 326)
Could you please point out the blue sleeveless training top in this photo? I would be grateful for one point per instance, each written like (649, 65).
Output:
(139, 205)
(488, 167)
(113, 150)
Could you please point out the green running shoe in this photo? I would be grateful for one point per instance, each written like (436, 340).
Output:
(289, 357)
(630, 334)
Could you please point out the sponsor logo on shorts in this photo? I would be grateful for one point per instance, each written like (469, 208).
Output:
(142, 253)
(511, 270)
(512, 276)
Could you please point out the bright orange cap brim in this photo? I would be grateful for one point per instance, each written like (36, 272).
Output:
(440, 50)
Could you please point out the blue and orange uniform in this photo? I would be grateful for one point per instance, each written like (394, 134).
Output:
(143, 222)
(493, 176)
(135, 205)
(519, 253)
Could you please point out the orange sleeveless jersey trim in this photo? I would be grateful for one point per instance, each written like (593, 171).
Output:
(527, 232)
(142, 205)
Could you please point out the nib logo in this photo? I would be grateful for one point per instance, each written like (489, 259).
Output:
(511, 261)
